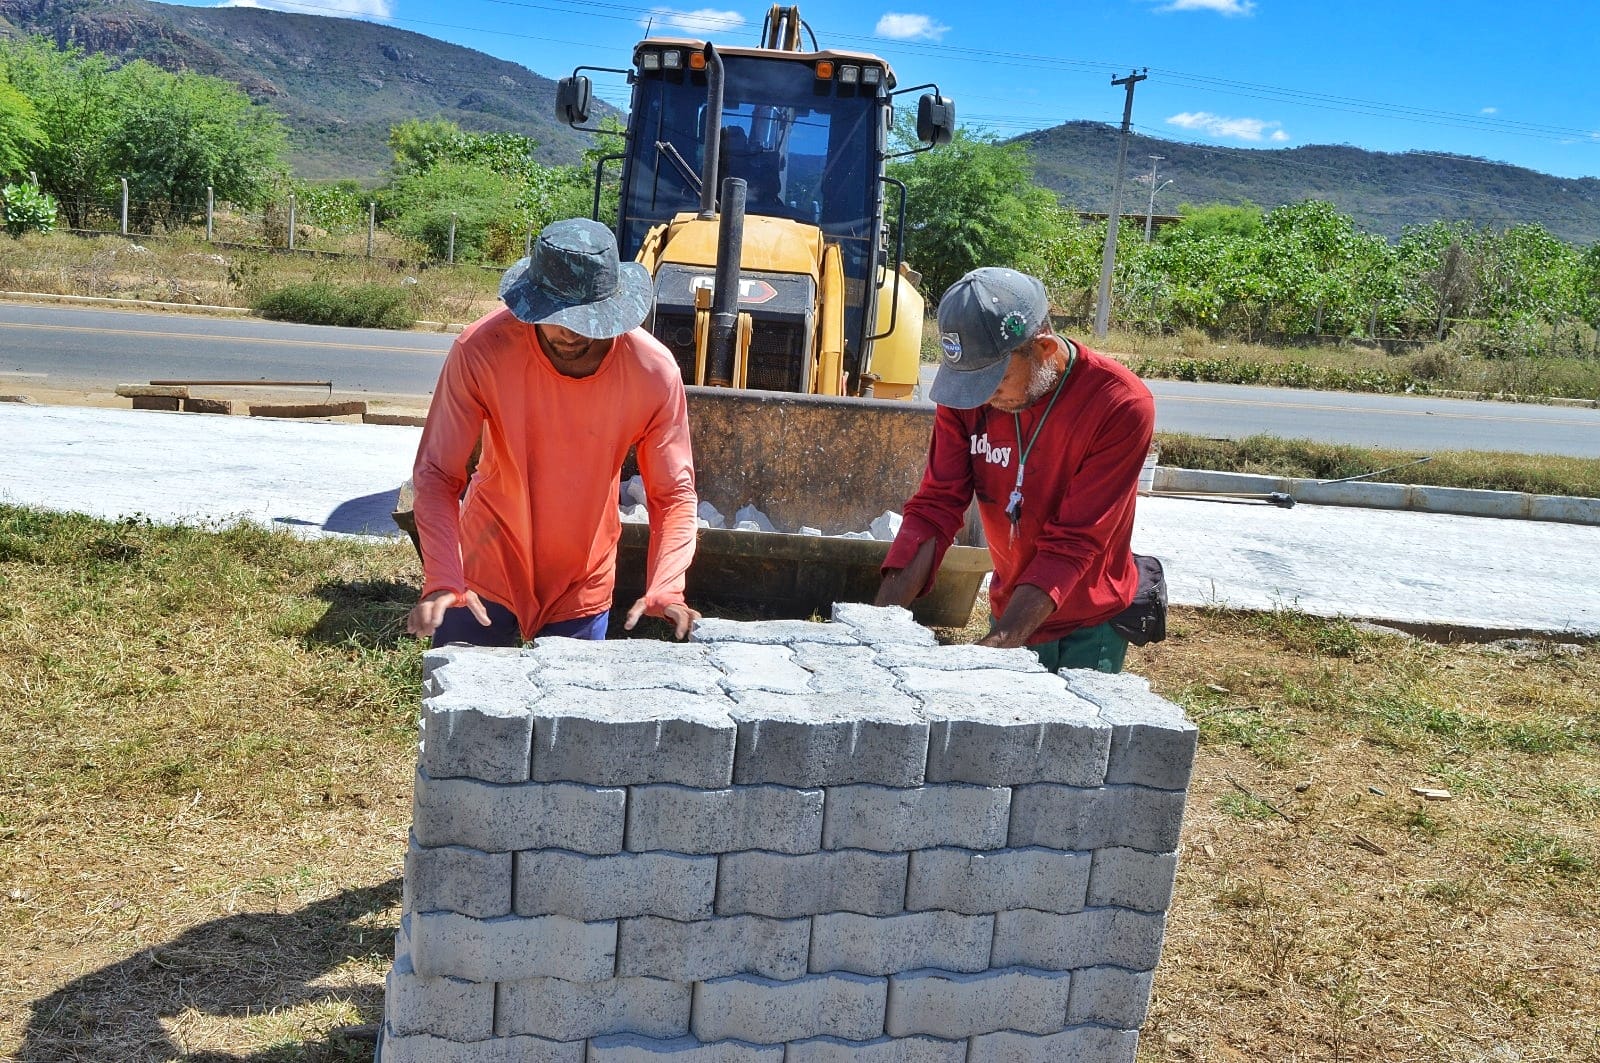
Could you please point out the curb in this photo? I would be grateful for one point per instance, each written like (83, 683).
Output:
(1462, 501)
(100, 300)
(236, 311)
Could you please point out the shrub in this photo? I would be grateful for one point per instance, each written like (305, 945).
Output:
(352, 306)
(27, 209)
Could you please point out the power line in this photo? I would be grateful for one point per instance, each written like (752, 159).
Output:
(1269, 93)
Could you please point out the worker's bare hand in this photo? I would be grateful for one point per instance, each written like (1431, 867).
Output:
(679, 615)
(1004, 640)
(426, 616)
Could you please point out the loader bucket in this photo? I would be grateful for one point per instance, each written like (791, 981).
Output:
(807, 460)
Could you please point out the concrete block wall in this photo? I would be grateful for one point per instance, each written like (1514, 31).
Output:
(784, 842)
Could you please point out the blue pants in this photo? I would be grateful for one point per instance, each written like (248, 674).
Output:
(459, 625)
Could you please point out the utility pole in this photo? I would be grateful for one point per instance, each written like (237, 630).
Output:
(1150, 211)
(1102, 313)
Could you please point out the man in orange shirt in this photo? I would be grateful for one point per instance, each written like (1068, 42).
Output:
(559, 385)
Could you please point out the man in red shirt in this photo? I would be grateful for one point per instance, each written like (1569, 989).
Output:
(1050, 437)
(558, 386)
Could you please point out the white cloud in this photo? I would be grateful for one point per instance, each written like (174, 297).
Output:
(702, 21)
(1230, 8)
(347, 8)
(1490, 110)
(910, 27)
(1252, 129)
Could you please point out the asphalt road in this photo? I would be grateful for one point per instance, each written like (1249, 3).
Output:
(73, 347)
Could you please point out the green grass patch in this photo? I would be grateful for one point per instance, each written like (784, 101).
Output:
(352, 306)
(1245, 806)
(1545, 854)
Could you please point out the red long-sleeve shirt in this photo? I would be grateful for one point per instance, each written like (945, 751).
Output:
(1082, 480)
(538, 528)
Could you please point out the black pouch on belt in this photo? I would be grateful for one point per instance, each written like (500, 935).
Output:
(1145, 620)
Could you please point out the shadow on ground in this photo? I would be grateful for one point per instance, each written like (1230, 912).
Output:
(228, 968)
(369, 613)
(367, 515)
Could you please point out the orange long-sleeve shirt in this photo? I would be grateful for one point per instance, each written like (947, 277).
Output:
(538, 528)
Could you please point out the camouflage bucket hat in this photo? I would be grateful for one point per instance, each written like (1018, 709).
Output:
(573, 279)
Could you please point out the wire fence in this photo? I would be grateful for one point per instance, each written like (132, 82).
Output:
(290, 225)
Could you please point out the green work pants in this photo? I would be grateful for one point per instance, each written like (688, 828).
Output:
(1098, 648)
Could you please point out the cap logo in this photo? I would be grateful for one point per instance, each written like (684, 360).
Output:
(951, 342)
(1014, 325)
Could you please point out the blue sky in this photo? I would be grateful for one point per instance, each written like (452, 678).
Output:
(1508, 82)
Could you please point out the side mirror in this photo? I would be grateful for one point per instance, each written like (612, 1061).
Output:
(573, 95)
(936, 119)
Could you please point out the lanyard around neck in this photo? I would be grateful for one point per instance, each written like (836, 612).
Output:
(1014, 503)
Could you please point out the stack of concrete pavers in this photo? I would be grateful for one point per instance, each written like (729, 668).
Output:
(784, 842)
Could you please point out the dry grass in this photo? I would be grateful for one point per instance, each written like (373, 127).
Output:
(206, 761)
(1324, 912)
(1433, 367)
(186, 269)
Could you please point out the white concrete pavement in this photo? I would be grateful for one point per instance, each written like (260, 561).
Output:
(322, 478)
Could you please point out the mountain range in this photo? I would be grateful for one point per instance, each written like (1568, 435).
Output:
(342, 83)
(1383, 191)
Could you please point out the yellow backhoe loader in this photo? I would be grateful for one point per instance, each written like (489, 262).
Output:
(753, 188)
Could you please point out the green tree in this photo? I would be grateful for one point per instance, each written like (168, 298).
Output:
(488, 220)
(170, 135)
(176, 134)
(526, 195)
(970, 203)
(1589, 293)
(76, 104)
(20, 133)
(1215, 219)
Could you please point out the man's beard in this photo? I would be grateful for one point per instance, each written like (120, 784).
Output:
(1044, 377)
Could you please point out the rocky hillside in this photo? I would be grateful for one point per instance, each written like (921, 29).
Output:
(1383, 191)
(340, 83)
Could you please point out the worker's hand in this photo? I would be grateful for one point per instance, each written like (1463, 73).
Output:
(1029, 607)
(679, 615)
(1003, 640)
(426, 616)
(901, 586)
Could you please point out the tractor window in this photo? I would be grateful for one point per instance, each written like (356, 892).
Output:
(807, 148)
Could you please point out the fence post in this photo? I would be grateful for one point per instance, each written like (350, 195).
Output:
(372, 224)
(124, 206)
(527, 247)
(211, 206)
(291, 221)
(450, 256)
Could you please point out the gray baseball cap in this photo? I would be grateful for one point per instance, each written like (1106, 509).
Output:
(573, 279)
(983, 317)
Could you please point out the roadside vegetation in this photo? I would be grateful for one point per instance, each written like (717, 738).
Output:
(1301, 458)
(1297, 295)
(207, 767)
